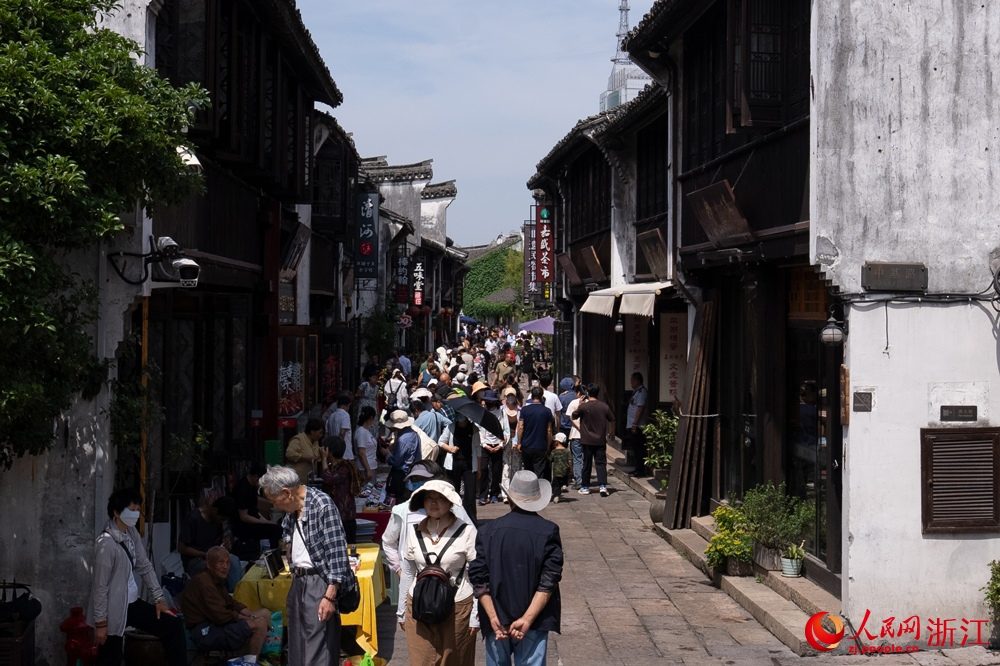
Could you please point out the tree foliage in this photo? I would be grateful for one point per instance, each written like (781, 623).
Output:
(86, 132)
(497, 270)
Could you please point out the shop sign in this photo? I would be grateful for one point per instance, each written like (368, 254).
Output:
(673, 354)
(418, 280)
(403, 280)
(286, 303)
(636, 348)
(545, 244)
(366, 266)
(531, 286)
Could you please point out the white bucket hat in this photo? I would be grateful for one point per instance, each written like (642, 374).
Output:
(441, 487)
(399, 419)
(528, 492)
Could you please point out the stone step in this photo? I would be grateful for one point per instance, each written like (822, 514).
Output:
(778, 615)
(704, 526)
(804, 593)
(689, 544)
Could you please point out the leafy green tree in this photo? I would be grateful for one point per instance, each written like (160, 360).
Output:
(86, 132)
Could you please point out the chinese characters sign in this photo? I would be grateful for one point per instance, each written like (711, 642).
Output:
(418, 280)
(673, 354)
(636, 347)
(367, 262)
(545, 245)
(402, 280)
(532, 289)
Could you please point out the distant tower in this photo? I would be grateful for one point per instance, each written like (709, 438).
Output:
(626, 80)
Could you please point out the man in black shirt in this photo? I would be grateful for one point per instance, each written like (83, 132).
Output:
(251, 528)
(516, 574)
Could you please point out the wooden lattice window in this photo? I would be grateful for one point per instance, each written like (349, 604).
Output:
(960, 469)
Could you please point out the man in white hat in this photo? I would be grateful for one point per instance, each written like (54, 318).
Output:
(516, 574)
(405, 450)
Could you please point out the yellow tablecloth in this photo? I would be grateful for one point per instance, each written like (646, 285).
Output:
(256, 590)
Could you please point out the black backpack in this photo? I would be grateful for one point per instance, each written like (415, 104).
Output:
(433, 593)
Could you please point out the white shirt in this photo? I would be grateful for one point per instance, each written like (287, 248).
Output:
(552, 402)
(338, 422)
(367, 448)
(133, 588)
(574, 432)
(455, 562)
(300, 554)
(396, 386)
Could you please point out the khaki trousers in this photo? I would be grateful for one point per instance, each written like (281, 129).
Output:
(446, 644)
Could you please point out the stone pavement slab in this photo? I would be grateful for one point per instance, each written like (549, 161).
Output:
(630, 599)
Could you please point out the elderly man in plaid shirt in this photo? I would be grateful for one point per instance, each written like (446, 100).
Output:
(318, 557)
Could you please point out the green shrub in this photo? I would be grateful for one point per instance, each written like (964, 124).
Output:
(730, 540)
(661, 433)
(992, 590)
(774, 518)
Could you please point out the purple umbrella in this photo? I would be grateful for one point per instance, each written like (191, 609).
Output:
(545, 326)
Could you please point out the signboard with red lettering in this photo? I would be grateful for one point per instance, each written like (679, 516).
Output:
(673, 354)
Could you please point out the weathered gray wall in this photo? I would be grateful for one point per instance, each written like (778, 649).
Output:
(905, 138)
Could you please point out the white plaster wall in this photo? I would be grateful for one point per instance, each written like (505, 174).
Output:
(936, 355)
(905, 138)
(404, 198)
(434, 219)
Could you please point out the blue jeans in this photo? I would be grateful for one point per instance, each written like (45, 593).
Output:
(576, 448)
(529, 651)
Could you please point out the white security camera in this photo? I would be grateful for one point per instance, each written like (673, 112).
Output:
(167, 246)
(187, 270)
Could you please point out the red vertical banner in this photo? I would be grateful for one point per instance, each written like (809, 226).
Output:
(545, 245)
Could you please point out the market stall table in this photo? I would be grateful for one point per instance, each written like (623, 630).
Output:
(381, 520)
(256, 590)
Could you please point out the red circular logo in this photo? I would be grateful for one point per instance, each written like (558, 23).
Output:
(819, 637)
(366, 248)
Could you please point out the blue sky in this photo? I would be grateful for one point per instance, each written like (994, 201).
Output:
(485, 89)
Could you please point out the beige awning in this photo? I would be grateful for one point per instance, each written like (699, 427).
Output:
(640, 299)
(637, 299)
(601, 302)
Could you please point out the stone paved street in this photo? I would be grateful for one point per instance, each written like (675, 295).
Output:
(630, 599)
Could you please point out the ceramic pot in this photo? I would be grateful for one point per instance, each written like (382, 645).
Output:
(791, 568)
(658, 507)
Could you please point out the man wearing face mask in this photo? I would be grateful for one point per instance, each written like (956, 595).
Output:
(400, 527)
(114, 598)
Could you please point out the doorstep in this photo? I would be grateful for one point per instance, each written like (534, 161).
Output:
(782, 605)
(645, 486)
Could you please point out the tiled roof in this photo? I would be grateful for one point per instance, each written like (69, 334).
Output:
(507, 295)
(324, 117)
(290, 26)
(647, 21)
(380, 171)
(440, 190)
(664, 19)
(478, 251)
(621, 116)
(589, 123)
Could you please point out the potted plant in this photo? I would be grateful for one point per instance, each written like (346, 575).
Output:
(660, 433)
(730, 549)
(774, 520)
(992, 598)
(791, 560)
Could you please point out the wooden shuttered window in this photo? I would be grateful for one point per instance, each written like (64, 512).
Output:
(960, 480)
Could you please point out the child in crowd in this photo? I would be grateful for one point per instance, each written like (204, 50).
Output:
(561, 465)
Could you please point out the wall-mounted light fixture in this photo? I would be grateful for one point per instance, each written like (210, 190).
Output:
(834, 332)
(166, 257)
(619, 325)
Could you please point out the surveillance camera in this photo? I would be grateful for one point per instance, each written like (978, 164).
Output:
(167, 246)
(188, 270)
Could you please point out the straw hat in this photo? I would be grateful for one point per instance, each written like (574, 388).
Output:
(478, 386)
(399, 419)
(527, 491)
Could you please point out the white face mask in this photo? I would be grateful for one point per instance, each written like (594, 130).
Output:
(129, 517)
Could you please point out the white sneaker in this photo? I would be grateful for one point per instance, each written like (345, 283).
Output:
(604, 491)
(584, 491)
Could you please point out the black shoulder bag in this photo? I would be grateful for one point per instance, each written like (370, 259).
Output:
(348, 591)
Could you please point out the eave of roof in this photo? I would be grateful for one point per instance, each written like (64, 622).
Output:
(327, 119)
(664, 20)
(626, 114)
(297, 39)
(381, 172)
(565, 145)
(444, 190)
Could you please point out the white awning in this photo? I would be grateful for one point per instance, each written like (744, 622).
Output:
(599, 303)
(637, 299)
